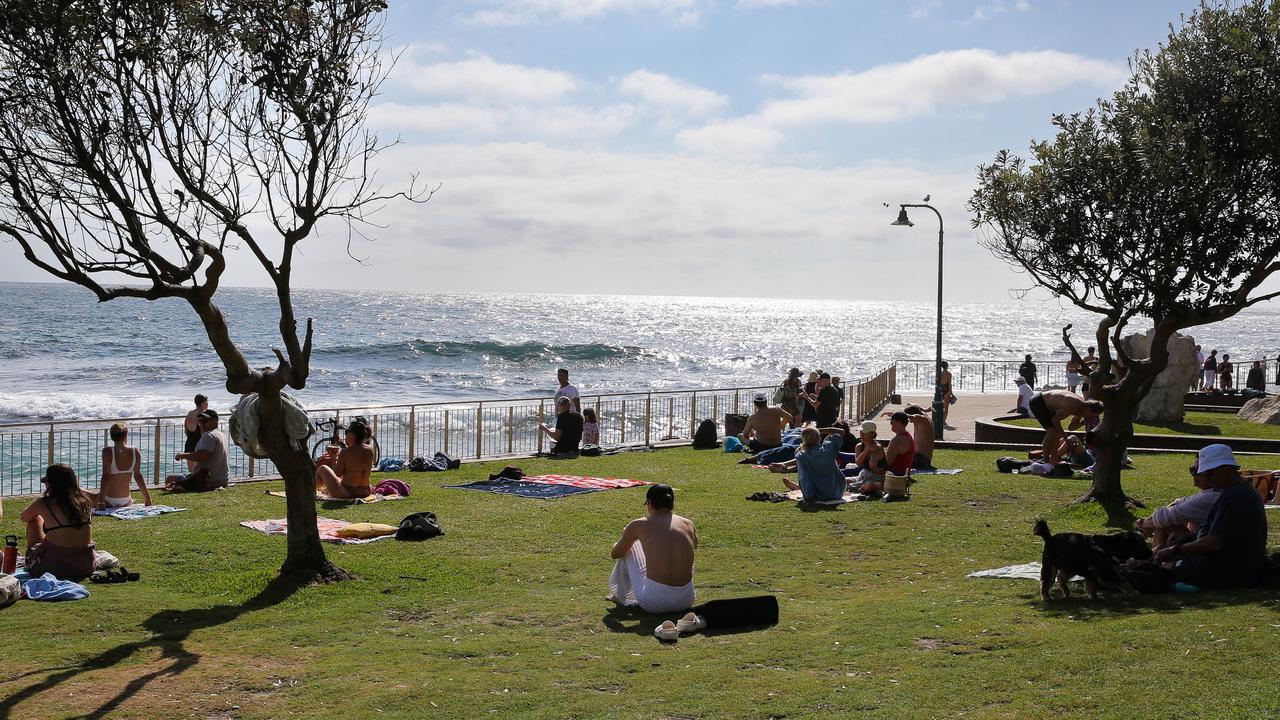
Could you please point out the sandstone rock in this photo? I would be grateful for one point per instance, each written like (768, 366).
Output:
(1262, 410)
(1164, 403)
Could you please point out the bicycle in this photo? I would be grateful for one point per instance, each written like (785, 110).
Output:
(330, 431)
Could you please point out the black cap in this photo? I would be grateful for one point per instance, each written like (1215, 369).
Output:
(208, 415)
(661, 496)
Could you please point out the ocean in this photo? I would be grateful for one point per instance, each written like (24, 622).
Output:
(66, 356)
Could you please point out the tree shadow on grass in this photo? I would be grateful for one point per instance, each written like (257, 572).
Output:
(1109, 605)
(169, 631)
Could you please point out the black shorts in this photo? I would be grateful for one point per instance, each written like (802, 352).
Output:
(1041, 412)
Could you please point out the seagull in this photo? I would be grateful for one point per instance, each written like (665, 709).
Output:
(926, 198)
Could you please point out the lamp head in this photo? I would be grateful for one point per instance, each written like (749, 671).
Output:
(902, 219)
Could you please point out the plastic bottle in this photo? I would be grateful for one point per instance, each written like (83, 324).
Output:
(10, 564)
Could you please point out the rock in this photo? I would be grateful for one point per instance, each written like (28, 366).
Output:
(1164, 403)
(1265, 410)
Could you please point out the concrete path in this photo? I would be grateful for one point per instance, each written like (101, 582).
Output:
(961, 417)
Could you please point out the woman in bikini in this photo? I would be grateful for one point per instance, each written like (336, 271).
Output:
(348, 475)
(120, 464)
(59, 537)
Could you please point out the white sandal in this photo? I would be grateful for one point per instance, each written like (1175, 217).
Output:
(690, 623)
(666, 631)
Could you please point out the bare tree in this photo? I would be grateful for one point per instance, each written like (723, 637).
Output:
(1161, 204)
(143, 143)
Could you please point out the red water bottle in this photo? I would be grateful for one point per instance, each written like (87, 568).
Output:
(10, 564)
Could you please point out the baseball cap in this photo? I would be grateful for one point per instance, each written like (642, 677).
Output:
(1212, 457)
(869, 426)
(208, 415)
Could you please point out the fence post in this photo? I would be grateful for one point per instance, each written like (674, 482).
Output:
(693, 414)
(735, 402)
(984, 377)
(715, 408)
(648, 416)
(479, 428)
(50, 444)
(671, 419)
(413, 425)
(511, 428)
(542, 418)
(623, 424)
(446, 432)
(155, 472)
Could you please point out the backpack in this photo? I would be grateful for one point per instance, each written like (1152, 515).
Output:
(418, 464)
(1008, 464)
(707, 437)
(419, 526)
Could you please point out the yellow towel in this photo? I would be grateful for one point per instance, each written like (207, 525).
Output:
(366, 530)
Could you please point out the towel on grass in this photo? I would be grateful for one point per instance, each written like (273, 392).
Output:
(938, 471)
(138, 512)
(321, 497)
(847, 498)
(48, 587)
(524, 488)
(1028, 571)
(580, 481)
(328, 530)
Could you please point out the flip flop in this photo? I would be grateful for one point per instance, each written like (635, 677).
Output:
(690, 623)
(666, 631)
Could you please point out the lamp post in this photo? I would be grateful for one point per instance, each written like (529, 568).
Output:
(938, 400)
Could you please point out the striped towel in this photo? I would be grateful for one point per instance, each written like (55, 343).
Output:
(328, 530)
(592, 483)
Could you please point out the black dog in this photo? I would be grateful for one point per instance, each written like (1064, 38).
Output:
(1096, 558)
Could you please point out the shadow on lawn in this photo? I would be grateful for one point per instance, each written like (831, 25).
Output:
(1080, 607)
(169, 630)
(643, 623)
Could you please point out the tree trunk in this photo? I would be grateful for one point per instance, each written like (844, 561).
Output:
(305, 559)
(1110, 445)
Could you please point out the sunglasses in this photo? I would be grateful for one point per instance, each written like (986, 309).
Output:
(1195, 472)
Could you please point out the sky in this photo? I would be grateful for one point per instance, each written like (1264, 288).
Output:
(709, 147)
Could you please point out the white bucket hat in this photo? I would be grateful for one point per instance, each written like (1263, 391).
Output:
(1212, 457)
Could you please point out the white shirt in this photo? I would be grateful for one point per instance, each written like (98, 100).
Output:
(1025, 393)
(568, 391)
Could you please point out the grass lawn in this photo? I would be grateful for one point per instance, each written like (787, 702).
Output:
(1196, 423)
(504, 616)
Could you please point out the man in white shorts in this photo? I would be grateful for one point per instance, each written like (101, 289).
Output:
(654, 567)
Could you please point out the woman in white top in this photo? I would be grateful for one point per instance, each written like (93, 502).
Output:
(120, 463)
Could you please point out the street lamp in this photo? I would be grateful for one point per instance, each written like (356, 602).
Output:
(938, 400)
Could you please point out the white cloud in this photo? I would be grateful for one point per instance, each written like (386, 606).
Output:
(741, 138)
(768, 3)
(522, 122)
(483, 78)
(991, 9)
(522, 12)
(920, 9)
(670, 93)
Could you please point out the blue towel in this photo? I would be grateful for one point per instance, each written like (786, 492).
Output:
(48, 587)
(523, 488)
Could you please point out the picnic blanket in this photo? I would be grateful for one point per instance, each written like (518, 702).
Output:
(1027, 571)
(546, 487)
(938, 471)
(321, 497)
(138, 512)
(328, 530)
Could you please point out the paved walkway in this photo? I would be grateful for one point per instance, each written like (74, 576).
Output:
(968, 408)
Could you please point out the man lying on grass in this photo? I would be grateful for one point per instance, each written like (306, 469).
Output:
(654, 567)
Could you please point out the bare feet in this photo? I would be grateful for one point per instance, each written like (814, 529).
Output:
(790, 485)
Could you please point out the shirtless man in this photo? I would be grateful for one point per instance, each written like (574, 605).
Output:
(346, 475)
(1050, 408)
(767, 424)
(922, 432)
(654, 567)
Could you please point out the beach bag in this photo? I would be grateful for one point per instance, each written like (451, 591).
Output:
(419, 526)
(1008, 464)
(10, 590)
(418, 464)
(895, 487)
(707, 437)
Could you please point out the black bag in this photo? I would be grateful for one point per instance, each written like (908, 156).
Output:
(589, 451)
(1008, 464)
(510, 472)
(418, 464)
(419, 526)
(739, 612)
(707, 437)
(1061, 470)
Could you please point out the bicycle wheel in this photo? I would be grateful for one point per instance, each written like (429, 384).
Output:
(377, 451)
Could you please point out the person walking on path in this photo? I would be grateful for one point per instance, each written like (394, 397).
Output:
(787, 396)
(1028, 371)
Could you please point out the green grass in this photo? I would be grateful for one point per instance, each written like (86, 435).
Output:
(1211, 424)
(503, 616)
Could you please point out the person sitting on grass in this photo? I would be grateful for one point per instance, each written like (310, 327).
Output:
(870, 461)
(1025, 393)
(654, 557)
(346, 474)
(921, 433)
(901, 453)
(567, 433)
(120, 464)
(1050, 408)
(1182, 518)
(818, 478)
(590, 427)
(59, 535)
(763, 430)
(210, 456)
(1230, 548)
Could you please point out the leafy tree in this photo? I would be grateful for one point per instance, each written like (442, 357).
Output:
(143, 143)
(1160, 203)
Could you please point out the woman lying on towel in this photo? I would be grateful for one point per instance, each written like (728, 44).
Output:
(59, 538)
(654, 567)
(346, 474)
(121, 463)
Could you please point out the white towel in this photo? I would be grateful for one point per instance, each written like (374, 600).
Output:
(629, 586)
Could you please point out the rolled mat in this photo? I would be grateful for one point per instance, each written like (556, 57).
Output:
(740, 612)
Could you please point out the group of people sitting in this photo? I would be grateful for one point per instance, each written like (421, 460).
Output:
(829, 459)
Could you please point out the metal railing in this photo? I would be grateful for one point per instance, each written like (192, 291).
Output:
(470, 430)
(998, 375)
